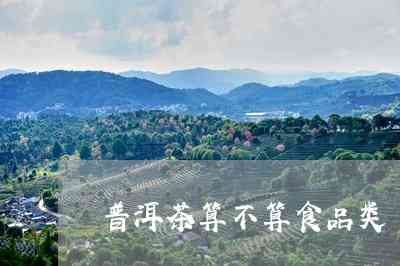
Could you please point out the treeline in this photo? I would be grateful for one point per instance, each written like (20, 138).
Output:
(39, 248)
(25, 144)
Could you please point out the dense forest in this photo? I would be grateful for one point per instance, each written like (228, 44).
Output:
(155, 134)
(31, 151)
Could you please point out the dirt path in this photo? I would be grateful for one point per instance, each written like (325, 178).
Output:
(43, 208)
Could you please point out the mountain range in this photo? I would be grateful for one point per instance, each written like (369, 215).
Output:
(80, 92)
(222, 81)
(10, 71)
(320, 96)
(87, 92)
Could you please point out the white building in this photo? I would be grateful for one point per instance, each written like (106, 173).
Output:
(256, 117)
(259, 116)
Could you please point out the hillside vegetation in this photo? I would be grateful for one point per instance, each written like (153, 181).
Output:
(32, 154)
(99, 93)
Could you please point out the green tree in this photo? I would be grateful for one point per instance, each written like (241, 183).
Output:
(239, 154)
(379, 122)
(119, 149)
(2, 228)
(57, 150)
(102, 255)
(346, 155)
(85, 152)
(204, 152)
(333, 121)
(262, 155)
(70, 148)
(317, 122)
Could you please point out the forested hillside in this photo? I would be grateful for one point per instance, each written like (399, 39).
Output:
(348, 96)
(90, 92)
(31, 152)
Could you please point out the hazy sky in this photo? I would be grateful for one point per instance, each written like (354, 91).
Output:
(161, 35)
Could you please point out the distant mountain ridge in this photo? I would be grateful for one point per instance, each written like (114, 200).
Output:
(315, 82)
(10, 71)
(222, 81)
(87, 92)
(77, 91)
(216, 81)
(318, 96)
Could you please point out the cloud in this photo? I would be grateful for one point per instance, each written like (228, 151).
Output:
(16, 15)
(266, 34)
(121, 28)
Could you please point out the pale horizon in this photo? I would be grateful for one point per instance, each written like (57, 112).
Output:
(289, 71)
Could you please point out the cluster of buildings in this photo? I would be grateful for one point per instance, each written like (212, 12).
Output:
(22, 214)
(260, 116)
(33, 115)
(27, 115)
